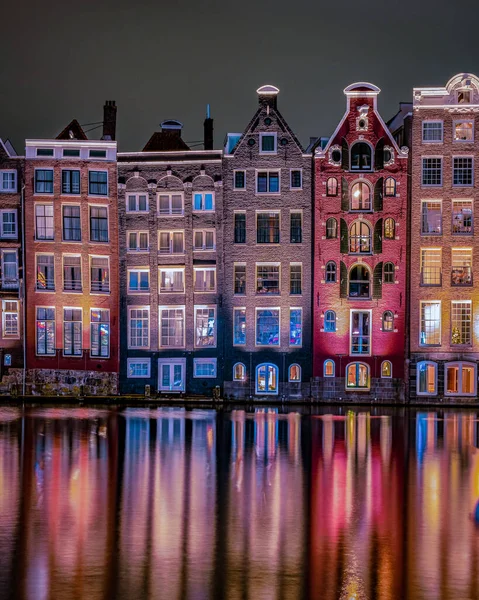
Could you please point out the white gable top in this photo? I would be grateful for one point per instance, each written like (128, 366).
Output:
(267, 90)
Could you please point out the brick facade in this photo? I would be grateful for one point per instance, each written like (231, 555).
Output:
(444, 242)
(189, 294)
(66, 349)
(361, 200)
(262, 211)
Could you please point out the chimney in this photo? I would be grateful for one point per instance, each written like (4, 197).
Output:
(208, 130)
(109, 120)
(268, 95)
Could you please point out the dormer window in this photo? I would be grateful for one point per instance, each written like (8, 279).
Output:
(268, 143)
(463, 97)
(361, 157)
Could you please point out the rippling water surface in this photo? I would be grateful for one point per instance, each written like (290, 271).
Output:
(168, 503)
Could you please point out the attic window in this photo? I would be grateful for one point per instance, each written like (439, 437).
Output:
(97, 153)
(284, 142)
(71, 152)
(268, 143)
(44, 151)
(463, 97)
(267, 121)
(251, 142)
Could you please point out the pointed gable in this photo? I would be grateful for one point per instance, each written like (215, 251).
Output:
(73, 131)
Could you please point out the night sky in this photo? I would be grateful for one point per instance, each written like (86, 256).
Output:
(159, 60)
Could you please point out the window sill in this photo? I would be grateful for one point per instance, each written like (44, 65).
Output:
(159, 214)
(100, 293)
(138, 293)
(44, 240)
(66, 194)
(430, 345)
(72, 291)
(267, 194)
(43, 291)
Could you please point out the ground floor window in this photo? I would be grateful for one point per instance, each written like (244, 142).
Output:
(426, 382)
(386, 369)
(239, 372)
(357, 376)
(72, 332)
(266, 379)
(171, 374)
(10, 327)
(294, 373)
(45, 326)
(329, 368)
(100, 332)
(138, 367)
(460, 379)
(204, 367)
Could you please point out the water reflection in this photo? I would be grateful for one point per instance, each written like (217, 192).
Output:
(168, 503)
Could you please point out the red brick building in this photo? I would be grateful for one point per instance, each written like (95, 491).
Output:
(359, 299)
(444, 242)
(71, 249)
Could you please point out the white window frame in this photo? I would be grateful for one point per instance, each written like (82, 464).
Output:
(462, 201)
(432, 141)
(37, 254)
(266, 393)
(203, 361)
(203, 237)
(9, 235)
(4, 251)
(471, 323)
(431, 301)
(72, 255)
(458, 122)
(215, 336)
(329, 360)
(130, 308)
(204, 268)
(142, 361)
(138, 270)
(44, 204)
(361, 310)
(300, 308)
(203, 194)
(272, 134)
(267, 193)
(268, 264)
(4, 190)
(435, 365)
(459, 364)
(426, 202)
(239, 308)
(234, 180)
(137, 233)
(170, 268)
(107, 183)
(172, 361)
(432, 185)
(102, 293)
(291, 180)
(171, 307)
(137, 203)
(171, 232)
(98, 356)
(170, 212)
(37, 306)
(63, 331)
(10, 312)
(261, 308)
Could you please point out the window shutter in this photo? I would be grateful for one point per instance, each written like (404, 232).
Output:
(344, 155)
(379, 155)
(378, 237)
(343, 280)
(378, 281)
(343, 247)
(378, 194)
(344, 194)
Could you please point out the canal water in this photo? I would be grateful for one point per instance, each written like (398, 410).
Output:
(133, 503)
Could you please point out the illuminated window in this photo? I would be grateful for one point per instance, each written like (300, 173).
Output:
(461, 322)
(266, 379)
(10, 322)
(331, 229)
(138, 327)
(463, 131)
(357, 376)
(267, 228)
(463, 96)
(171, 280)
(461, 266)
(204, 368)
(171, 242)
(205, 327)
(295, 327)
(359, 282)
(430, 323)
(461, 379)
(138, 367)
(267, 278)
(331, 272)
(332, 187)
(360, 196)
(204, 279)
(45, 326)
(390, 186)
(72, 332)
(462, 217)
(330, 321)
(100, 333)
(100, 274)
(267, 327)
(45, 272)
(240, 279)
(386, 369)
(239, 372)
(172, 326)
(426, 378)
(294, 373)
(360, 332)
(360, 238)
(361, 157)
(388, 321)
(239, 326)
(431, 266)
(72, 276)
(389, 229)
(328, 368)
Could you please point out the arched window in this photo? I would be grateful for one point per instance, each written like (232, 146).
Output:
(361, 157)
(294, 373)
(330, 321)
(331, 272)
(386, 369)
(426, 378)
(389, 271)
(388, 320)
(332, 187)
(360, 238)
(390, 186)
(359, 282)
(266, 379)
(328, 368)
(357, 376)
(389, 229)
(239, 372)
(461, 379)
(360, 196)
(331, 229)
